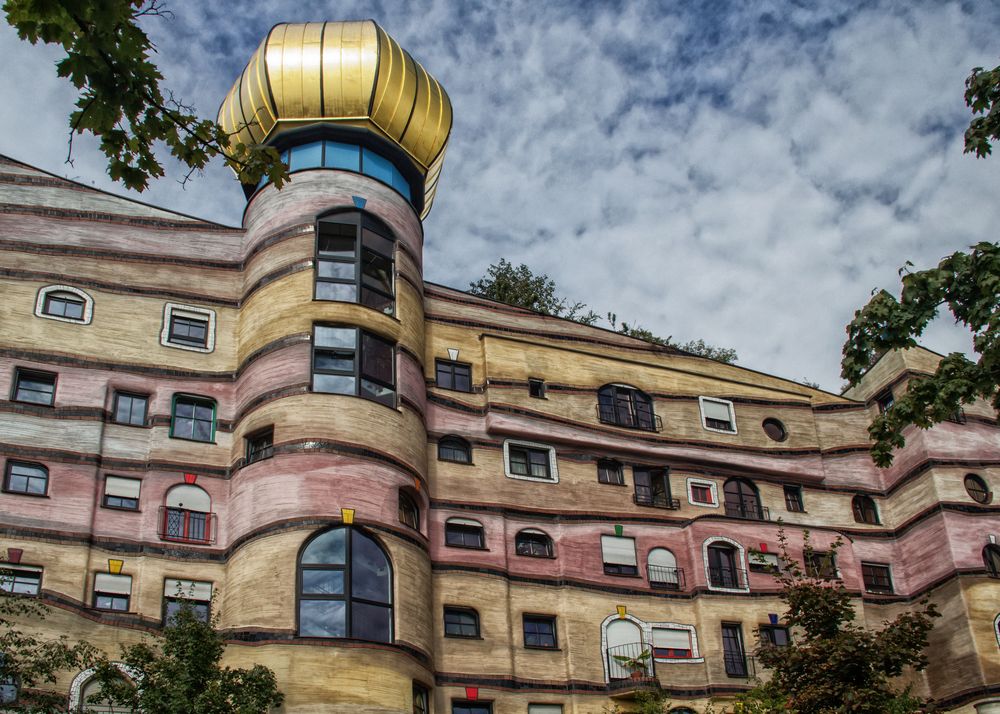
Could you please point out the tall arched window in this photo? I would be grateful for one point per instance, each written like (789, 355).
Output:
(345, 587)
(742, 500)
(622, 405)
(354, 260)
(187, 515)
(663, 570)
(991, 559)
(864, 509)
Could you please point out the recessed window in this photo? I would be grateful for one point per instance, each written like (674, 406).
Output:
(725, 569)
(611, 472)
(821, 565)
(763, 562)
(536, 388)
(453, 375)
(793, 499)
(121, 493)
(34, 387)
(652, 488)
(461, 622)
(465, 707)
(131, 408)
(661, 565)
(864, 509)
(193, 594)
(742, 500)
(188, 327)
(533, 462)
(354, 261)
(717, 415)
(421, 699)
(618, 554)
(774, 635)
(25, 477)
(622, 405)
(672, 643)
(702, 493)
(991, 559)
(20, 579)
(112, 592)
(545, 709)
(347, 360)
(877, 578)
(64, 303)
(260, 445)
(534, 544)
(186, 515)
(454, 448)
(464, 533)
(733, 653)
(774, 429)
(192, 418)
(409, 512)
(885, 400)
(540, 631)
(977, 489)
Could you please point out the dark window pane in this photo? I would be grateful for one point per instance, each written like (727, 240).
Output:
(370, 577)
(376, 359)
(322, 582)
(378, 393)
(376, 242)
(34, 388)
(130, 409)
(322, 618)
(371, 622)
(342, 292)
(377, 301)
(461, 623)
(327, 549)
(175, 605)
(376, 271)
(334, 384)
(327, 360)
(335, 269)
(539, 632)
(454, 450)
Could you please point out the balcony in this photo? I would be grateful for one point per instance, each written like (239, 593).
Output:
(608, 414)
(664, 578)
(183, 526)
(726, 577)
(631, 668)
(740, 666)
(655, 500)
(747, 511)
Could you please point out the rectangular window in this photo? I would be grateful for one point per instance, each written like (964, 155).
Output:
(27, 478)
(717, 414)
(453, 375)
(192, 418)
(260, 445)
(619, 555)
(793, 499)
(121, 493)
(347, 360)
(540, 631)
(877, 578)
(20, 579)
(528, 462)
(652, 488)
(112, 592)
(774, 635)
(421, 699)
(460, 533)
(460, 622)
(354, 261)
(671, 643)
(64, 304)
(130, 409)
(34, 387)
(762, 562)
(188, 327)
(733, 653)
(194, 594)
(536, 388)
(821, 564)
(545, 709)
(189, 331)
(702, 494)
(464, 707)
(885, 400)
(610, 472)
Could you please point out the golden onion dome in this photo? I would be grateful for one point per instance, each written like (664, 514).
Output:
(350, 74)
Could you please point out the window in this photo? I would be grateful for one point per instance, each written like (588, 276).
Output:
(130, 409)
(9, 684)
(540, 631)
(453, 375)
(536, 388)
(991, 559)
(732, 649)
(611, 472)
(345, 587)
(27, 478)
(619, 555)
(864, 510)
(774, 429)
(763, 562)
(260, 445)
(348, 157)
(793, 499)
(663, 570)
(409, 512)
(821, 564)
(453, 448)
(545, 709)
(717, 415)
(885, 400)
(347, 360)
(121, 493)
(92, 700)
(723, 559)
(671, 643)
(652, 488)
(112, 592)
(529, 461)
(34, 387)
(421, 699)
(977, 489)
(20, 579)
(877, 578)
(187, 327)
(354, 261)
(463, 533)
(464, 707)
(622, 405)
(461, 622)
(743, 501)
(65, 304)
(774, 635)
(187, 515)
(192, 418)
(702, 493)
(533, 543)
(193, 594)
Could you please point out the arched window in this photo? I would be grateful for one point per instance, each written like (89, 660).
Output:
(725, 566)
(742, 500)
(85, 685)
(533, 543)
(663, 570)
(187, 515)
(622, 405)
(464, 533)
(345, 587)
(409, 511)
(864, 509)
(64, 303)
(991, 559)
(354, 260)
(454, 448)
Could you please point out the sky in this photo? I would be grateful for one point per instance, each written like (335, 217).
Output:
(741, 172)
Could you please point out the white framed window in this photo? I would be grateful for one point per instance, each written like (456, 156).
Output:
(529, 461)
(64, 303)
(545, 709)
(195, 594)
(673, 642)
(187, 327)
(703, 493)
(725, 565)
(717, 415)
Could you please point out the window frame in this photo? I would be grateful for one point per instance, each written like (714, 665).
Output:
(43, 299)
(113, 596)
(253, 451)
(671, 655)
(362, 221)
(739, 573)
(133, 396)
(611, 466)
(37, 375)
(991, 559)
(118, 507)
(794, 502)
(536, 388)
(466, 706)
(8, 472)
(981, 487)
(776, 424)
(620, 569)
(190, 312)
(529, 448)
(884, 400)
(870, 581)
(762, 562)
(820, 565)
(357, 372)
(655, 477)
(712, 487)
(859, 507)
(455, 443)
(539, 619)
(740, 653)
(201, 606)
(704, 419)
(405, 499)
(626, 406)
(421, 696)
(458, 525)
(454, 610)
(196, 401)
(771, 630)
(534, 537)
(450, 369)
(10, 574)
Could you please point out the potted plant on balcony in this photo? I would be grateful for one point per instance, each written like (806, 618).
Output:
(638, 666)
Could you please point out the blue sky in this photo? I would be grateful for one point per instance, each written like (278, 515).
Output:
(743, 172)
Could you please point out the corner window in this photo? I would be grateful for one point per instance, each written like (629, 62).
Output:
(260, 445)
(347, 360)
(529, 461)
(534, 544)
(186, 515)
(717, 415)
(193, 594)
(652, 488)
(864, 510)
(121, 493)
(20, 579)
(461, 622)
(456, 449)
(702, 493)
(354, 261)
(409, 512)
(464, 533)
(421, 699)
(33, 387)
(619, 555)
(671, 643)
(112, 592)
(192, 418)
(793, 499)
(611, 472)
(536, 388)
(622, 405)
(877, 578)
(540, 632)
(64, 303)
(453, 375)
(131, 409)
(977, 489)
(188, 327)
(27, 478)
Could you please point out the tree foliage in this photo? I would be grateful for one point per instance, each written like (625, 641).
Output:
(982, 95)
(121, 101)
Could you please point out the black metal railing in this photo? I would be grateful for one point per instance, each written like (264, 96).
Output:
(749, 511)
(643, 497)
(608, 414)
(739, 665)
(186, 526)
(631, 664)
(725, 577)
(665, 578)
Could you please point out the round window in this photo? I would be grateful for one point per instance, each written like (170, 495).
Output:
(977, 489)
(775, 429)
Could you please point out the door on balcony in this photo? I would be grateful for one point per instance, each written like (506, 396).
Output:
(663, 571)
(742, 499)
(732, 650)
(624, 638)
(722, 570)
(652, 487)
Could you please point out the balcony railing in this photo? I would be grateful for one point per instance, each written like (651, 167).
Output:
(656, 500)
(749, 511)
(739, 665)
(185, 526)
(727, 578)
(631, 665)
(620, 417)
(665, 578)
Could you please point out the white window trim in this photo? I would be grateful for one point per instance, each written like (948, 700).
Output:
(88, 304)
(646, 630)
(199, 313)
(76, 687)
(708, 484)
(553, 469)
(742, 564)
(996, 629)
(732, 415)
(695, 651)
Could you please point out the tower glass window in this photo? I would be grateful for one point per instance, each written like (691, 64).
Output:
(347, 360)
(354, 261)
(622, 405)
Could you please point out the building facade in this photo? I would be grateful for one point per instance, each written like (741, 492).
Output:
(404, 498)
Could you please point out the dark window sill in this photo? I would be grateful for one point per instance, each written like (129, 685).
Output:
(539, 557)
(609, 483)
(452, 389)
(188, 438)
(121, 508)
(543, 648)
(359, 304)
(23, 493)
(34, 404)
(135, 426)
(464, 637)
(453, 461)
(624, 575)
(466, 547)
(394, 407)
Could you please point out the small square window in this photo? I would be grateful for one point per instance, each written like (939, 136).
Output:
(774, 635)
(453, 375)
(793, 499)
(529, 461)
(188, 327)
(536, 388)
(193, 418)
(702, 493)
(610, 472)
(122, 493)
(461, 622)
(27, 478)
(112, 592)
(131, 409)
(540, 631)
(759, 562)
(190, 331)
(877, 578)
(34, 387)
(464, 533)
(194, 594)
(20, 579)
(260, 445)
(717, 414)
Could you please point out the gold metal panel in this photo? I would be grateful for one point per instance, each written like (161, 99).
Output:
(350, 61)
